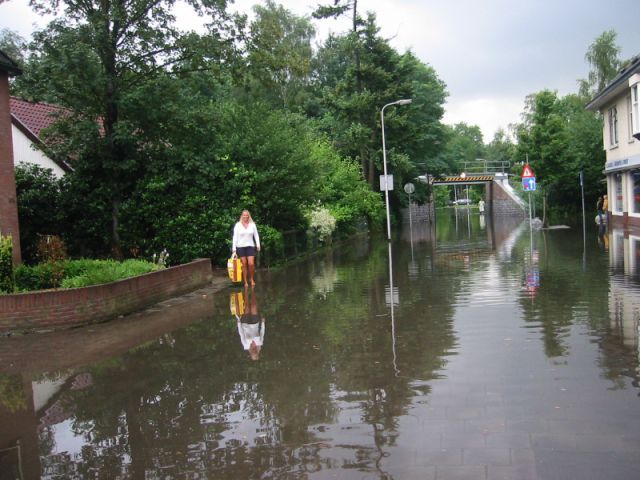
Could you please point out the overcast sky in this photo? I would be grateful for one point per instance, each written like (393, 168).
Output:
(491, 54)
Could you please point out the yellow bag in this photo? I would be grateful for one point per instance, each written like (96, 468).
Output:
(236, 303)
(234, 267)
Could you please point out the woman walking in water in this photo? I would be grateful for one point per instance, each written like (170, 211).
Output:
(246, 242)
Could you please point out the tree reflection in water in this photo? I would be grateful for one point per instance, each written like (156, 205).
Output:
(338, 387)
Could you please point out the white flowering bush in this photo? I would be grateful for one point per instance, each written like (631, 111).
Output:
(322, 223)
(161, 260)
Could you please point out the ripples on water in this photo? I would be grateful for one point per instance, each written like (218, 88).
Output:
(479, 342)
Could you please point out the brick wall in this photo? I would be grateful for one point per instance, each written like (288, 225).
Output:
(77, 347)
(56, 309)
(419, 213)
(8, 204)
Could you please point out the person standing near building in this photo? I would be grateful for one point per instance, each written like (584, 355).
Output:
(246, 242)
(599, 204)
(605, 207)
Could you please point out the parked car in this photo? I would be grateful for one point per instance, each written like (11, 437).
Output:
(462, 201)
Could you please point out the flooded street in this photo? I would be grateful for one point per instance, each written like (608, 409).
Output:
(474, 350)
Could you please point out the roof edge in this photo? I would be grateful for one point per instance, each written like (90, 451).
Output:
(8, 65)
(617, 85)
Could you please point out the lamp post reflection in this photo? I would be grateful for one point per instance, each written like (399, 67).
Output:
(392, 297)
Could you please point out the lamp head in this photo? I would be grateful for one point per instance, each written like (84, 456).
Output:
(404, 101)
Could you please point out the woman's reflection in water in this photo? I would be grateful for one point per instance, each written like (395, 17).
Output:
(251, 325)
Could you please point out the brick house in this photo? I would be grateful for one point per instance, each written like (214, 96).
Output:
(619, 104)
(8, 203)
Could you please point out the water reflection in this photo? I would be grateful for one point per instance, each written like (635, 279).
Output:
(624, 306)
(385, 360)
(251, 326)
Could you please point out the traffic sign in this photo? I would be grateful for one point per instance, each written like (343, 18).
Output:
(386, 183)
(529, 184)
(527, 172)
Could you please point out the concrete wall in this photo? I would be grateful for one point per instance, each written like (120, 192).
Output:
(57, 309)
(502, 205)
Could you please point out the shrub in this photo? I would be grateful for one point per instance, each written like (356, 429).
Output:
(36, 277)
(271, 243)
(79, 273)
(39, 209)
(51, 250)
(322, 223)
(12, 395)
(105, 271)
(6, 264)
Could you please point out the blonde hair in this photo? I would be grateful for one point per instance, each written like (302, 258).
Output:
(248, 213)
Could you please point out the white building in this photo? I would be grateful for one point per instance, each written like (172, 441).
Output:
(619, 105)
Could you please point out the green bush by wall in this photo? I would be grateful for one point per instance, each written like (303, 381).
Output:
(6, 264)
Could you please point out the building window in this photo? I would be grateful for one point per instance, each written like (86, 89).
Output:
(635, 111)
(630, 117)
(613, 126)
(617, 199)
(635, 176)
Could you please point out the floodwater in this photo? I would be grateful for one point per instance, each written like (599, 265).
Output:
(472, 350)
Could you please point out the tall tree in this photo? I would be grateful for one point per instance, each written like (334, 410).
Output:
(603, 57)
(279, 54)
(464, 144)
(501, 148)
(353, 94)
(340, 8)
(94, 59)
(560, 138)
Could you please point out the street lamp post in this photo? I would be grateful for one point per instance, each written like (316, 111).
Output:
(405, 101)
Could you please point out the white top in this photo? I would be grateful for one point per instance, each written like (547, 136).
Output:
(245, 236)
(251, 332)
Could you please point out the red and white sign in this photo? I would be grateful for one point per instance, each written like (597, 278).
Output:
(527, 172)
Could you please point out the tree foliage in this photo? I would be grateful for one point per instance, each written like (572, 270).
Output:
(356, 75)
(464, 143)
(168, 144)
(93, 59)
(14, 45)
(603, 57)
(501, 148)
(40, 211)
(279, 56)
(560, 138)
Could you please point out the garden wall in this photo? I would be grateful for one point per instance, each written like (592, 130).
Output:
(57, 309)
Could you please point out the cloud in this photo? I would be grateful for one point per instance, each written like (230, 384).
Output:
(490, 54)
(489, 113)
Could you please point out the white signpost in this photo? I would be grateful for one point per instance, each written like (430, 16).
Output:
(386, 186)
(409, 188)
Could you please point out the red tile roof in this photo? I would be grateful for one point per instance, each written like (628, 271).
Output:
(31, 118)
(34, 117)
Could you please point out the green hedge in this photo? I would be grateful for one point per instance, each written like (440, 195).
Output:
(79, 273)
(6, 264)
